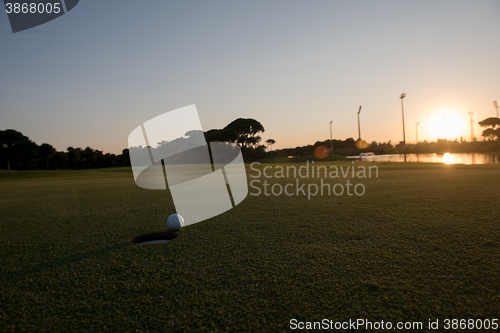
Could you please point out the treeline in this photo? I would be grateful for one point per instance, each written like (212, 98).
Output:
(490, 144)
(340, 147)
(447, 146)
(18, 152)
(351, 147)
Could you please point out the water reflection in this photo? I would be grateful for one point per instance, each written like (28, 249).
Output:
(448, 158)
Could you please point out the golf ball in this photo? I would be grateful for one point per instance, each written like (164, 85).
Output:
(175, 222)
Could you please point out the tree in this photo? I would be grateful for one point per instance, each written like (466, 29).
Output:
(489, 133)
(8, 139)
(222, 135)
(46, 151)
(270, 143)
(493, 129)
(74, 157)
(25, 152)
(247, 129)
(124, 158)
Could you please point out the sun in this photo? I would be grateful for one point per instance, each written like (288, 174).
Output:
(448, 159)
(447, 125)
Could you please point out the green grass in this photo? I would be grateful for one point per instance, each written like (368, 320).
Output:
(422, 243)
(14, 175)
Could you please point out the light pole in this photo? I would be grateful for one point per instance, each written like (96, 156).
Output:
(359, 126)
(331, 140)
(471, 127)
(495, 104)
(416, 130)
(403, 95)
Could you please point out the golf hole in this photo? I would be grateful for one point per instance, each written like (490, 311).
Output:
(157, 237)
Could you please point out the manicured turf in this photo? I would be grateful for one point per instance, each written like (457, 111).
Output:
(422, 243)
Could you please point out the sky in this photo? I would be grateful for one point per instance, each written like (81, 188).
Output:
(91, 76)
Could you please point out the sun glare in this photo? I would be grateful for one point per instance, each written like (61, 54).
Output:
(448, 159)
(447, 125)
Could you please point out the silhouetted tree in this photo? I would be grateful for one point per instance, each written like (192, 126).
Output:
(25, 151)
(74, 157)
(8, 139)
(18, 152)
(222, 135)
(247, 129)
(46, 151)
(494, 127)
(270, 143)
(124, 158)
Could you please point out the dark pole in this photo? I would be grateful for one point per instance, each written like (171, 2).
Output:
(403, 95)
(331, 140)
(416, 130)
(359, 126)
(471, 127)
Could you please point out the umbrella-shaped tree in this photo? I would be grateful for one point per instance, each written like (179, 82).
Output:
(247, 130)
(493, 127)
(270, 143)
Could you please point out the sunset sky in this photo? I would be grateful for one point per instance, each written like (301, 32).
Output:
(91, 76)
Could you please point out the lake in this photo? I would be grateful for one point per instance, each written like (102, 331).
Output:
(470, 158)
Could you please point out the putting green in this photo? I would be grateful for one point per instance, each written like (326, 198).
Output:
(423, 242)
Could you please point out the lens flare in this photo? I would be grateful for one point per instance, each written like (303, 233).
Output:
(448, 159)
(321, 152)
(362, 144)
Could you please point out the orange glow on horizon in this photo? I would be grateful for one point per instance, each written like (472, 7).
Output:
(446, 124)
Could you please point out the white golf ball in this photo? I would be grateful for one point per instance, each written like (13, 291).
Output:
(175, 222)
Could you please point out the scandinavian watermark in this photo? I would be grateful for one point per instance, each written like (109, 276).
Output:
(290, 180)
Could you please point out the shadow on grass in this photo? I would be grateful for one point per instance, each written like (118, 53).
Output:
(168, 235)
(64, 261)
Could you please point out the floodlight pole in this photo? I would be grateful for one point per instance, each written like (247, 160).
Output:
(495, 104)
(416, 130)
(471, 127)
(403, 95)
(359, 126)
(331, 140)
